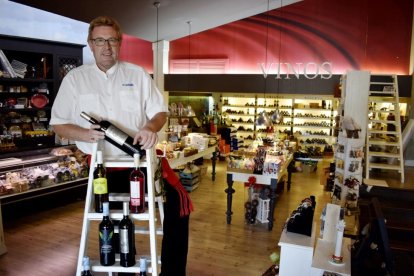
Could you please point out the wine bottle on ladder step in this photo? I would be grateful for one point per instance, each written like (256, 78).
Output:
(142, 266)
(115, 136)
(126, 239)
(100, 183)
(106, 242)
(86, 267)
(137, 188)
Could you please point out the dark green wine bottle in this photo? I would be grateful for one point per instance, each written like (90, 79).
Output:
(106, 242)
(126, 239)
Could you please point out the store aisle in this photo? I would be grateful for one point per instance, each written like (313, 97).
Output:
(46, 242)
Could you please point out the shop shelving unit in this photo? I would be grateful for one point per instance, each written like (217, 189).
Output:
(384, 134)
(149, 215)
(309, 118)
(350, 150)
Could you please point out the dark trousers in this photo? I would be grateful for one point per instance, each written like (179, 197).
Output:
(175, 240)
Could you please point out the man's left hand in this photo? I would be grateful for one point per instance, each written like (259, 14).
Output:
(146, 138)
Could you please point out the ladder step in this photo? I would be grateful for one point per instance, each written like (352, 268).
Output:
(143, 230)
(384, 121)
(384, 166)
(386, 99)
(383, 154)
(97, 267)
(383, 132)
(117, 215)
(383, 143)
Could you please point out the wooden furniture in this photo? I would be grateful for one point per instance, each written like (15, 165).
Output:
(397, 207)
(270, 180)
(29, 99)
(296, 252)
(149, 215)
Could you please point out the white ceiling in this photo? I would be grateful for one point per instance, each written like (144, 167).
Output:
(139, 17)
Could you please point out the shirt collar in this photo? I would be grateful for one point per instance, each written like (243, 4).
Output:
(109, 72)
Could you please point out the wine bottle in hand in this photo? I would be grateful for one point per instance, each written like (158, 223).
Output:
(126, 239)
(115, 136)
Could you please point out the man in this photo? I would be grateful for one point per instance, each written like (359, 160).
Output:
(119, 92)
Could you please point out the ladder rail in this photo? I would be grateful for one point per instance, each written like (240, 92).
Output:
(86, 222)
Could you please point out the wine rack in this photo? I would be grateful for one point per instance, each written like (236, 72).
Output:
(149, 215)
(309, 118)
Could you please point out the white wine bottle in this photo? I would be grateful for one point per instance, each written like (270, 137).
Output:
(126, 239)
(100, 184)
(115, 136)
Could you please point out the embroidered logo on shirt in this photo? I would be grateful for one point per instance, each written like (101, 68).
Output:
(127, 84)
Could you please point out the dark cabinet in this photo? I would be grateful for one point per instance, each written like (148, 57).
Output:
(26, 100)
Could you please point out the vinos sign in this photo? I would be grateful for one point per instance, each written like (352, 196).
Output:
(323, 70)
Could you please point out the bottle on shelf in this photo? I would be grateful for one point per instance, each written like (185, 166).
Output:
(100, 184)
(86, 267)
(115, 136)
(126, 239)
(106, 242)
(142, 266)
(137, 188)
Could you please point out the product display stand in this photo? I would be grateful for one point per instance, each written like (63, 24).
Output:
(270, 180)
(149, 215)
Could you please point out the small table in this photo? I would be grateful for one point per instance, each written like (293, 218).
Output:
(322, 256)
(270, 180)
(174, 163)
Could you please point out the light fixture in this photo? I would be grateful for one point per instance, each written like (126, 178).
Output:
(263, 118)
(155, 72)
(277, 116)
(190, 111)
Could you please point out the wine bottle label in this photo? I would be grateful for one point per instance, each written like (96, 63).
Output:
(100, 186)
(123, 241)
(105, 237)
(135, 193)
(116, 134)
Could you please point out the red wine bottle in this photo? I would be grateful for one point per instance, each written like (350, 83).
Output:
(106, 242)
(86, 267)
(137, 181)
(115, 136)
(100, 184)
(142, 266)
(126, 239)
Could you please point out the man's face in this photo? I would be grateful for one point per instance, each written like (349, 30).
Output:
(105, 55)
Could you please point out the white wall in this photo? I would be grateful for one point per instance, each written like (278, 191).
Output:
(20, 20)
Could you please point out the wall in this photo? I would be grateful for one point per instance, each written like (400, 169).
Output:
(370, 35)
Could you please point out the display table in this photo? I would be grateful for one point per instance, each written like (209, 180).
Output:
(296, 253)
(174, 163)
(323, 253)
(270, 180)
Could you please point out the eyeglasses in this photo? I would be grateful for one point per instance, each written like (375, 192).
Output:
(101, 41)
